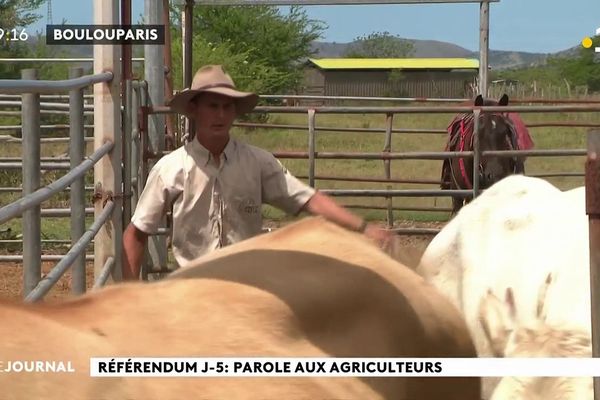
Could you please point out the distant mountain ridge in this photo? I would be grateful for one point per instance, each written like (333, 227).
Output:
(498, 59)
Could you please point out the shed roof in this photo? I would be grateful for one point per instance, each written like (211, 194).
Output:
(395, 63)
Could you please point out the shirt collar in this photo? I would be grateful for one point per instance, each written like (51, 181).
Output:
(205, 155)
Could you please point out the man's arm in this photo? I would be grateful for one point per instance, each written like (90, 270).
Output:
(134, 244)
(284, 191)
(325, 206)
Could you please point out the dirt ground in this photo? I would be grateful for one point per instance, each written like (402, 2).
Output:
(11, 281)
(11, 273)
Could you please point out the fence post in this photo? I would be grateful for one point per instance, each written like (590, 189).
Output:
(76, 154)
(127, 153)
(135, 145)
(484, 34)
(154, 71)
(476, 153)
(592, 191)
(311, 147)
(389, 122)
(187, 20)
(107, 126)
(32, 245)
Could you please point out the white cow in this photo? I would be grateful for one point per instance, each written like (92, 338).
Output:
(520, 234)
(538, 339)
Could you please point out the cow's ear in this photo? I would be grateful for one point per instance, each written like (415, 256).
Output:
(503, 100)
(541, 300)
(510, 304)
(479, 100)
(496, 321)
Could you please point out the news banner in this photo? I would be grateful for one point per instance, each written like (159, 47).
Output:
(342, 367)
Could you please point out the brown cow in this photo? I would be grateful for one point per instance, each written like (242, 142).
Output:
(311, 289)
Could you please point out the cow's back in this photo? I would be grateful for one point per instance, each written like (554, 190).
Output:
(524, 234)
(29, 338)
(310, 290)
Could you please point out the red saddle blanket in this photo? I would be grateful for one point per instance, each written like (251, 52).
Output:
(524, 141)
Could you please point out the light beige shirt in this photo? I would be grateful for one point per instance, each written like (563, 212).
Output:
(214, 206)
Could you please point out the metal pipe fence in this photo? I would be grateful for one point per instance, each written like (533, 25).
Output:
(312, 155)
(19, 189)
(63, 59)
(396, 193)
(44, 241)
(371, 179)
(42, 159)
(44, 111)
(34, 199)
(77, 193)
(425, 155)
(50, 279)
(138, 99)
(55, 126)
(43, 257)
(420, 131)
(29, 205)
(31, 221)
(365, 207)
(418, 110)
(16, 86)
(337, 129)
(11, 139)
(44, 106)
(422, 99)
(107, 269)
(48, 166)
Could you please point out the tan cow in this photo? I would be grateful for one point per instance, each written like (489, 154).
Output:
(310, 289)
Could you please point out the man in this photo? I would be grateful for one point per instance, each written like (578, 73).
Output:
(216, 184)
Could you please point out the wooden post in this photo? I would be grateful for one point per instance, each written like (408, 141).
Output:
(592, 192)
(154, 70)
(484, 34)
(107, 122)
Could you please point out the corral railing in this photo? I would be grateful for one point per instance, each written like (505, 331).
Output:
(387, 155)
(136, 146)
(28, 207)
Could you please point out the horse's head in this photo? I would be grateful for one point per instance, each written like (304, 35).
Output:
(495, 133)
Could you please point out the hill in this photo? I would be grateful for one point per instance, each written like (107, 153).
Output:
(498, 59)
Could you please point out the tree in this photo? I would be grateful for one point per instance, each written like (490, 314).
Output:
(19, 13)
(260, 46)
(579, 69)
(380, 45)
(15, 14)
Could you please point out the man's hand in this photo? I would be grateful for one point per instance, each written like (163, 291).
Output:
(380, 236)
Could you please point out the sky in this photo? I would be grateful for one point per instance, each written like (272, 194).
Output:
(540, 26)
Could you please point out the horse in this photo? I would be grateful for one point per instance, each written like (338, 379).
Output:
(497, 131)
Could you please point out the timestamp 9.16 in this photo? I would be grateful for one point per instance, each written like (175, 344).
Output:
(13, 35)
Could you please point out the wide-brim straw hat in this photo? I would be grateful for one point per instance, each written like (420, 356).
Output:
(213, 79)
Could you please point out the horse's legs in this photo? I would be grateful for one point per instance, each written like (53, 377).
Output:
(457, 204)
